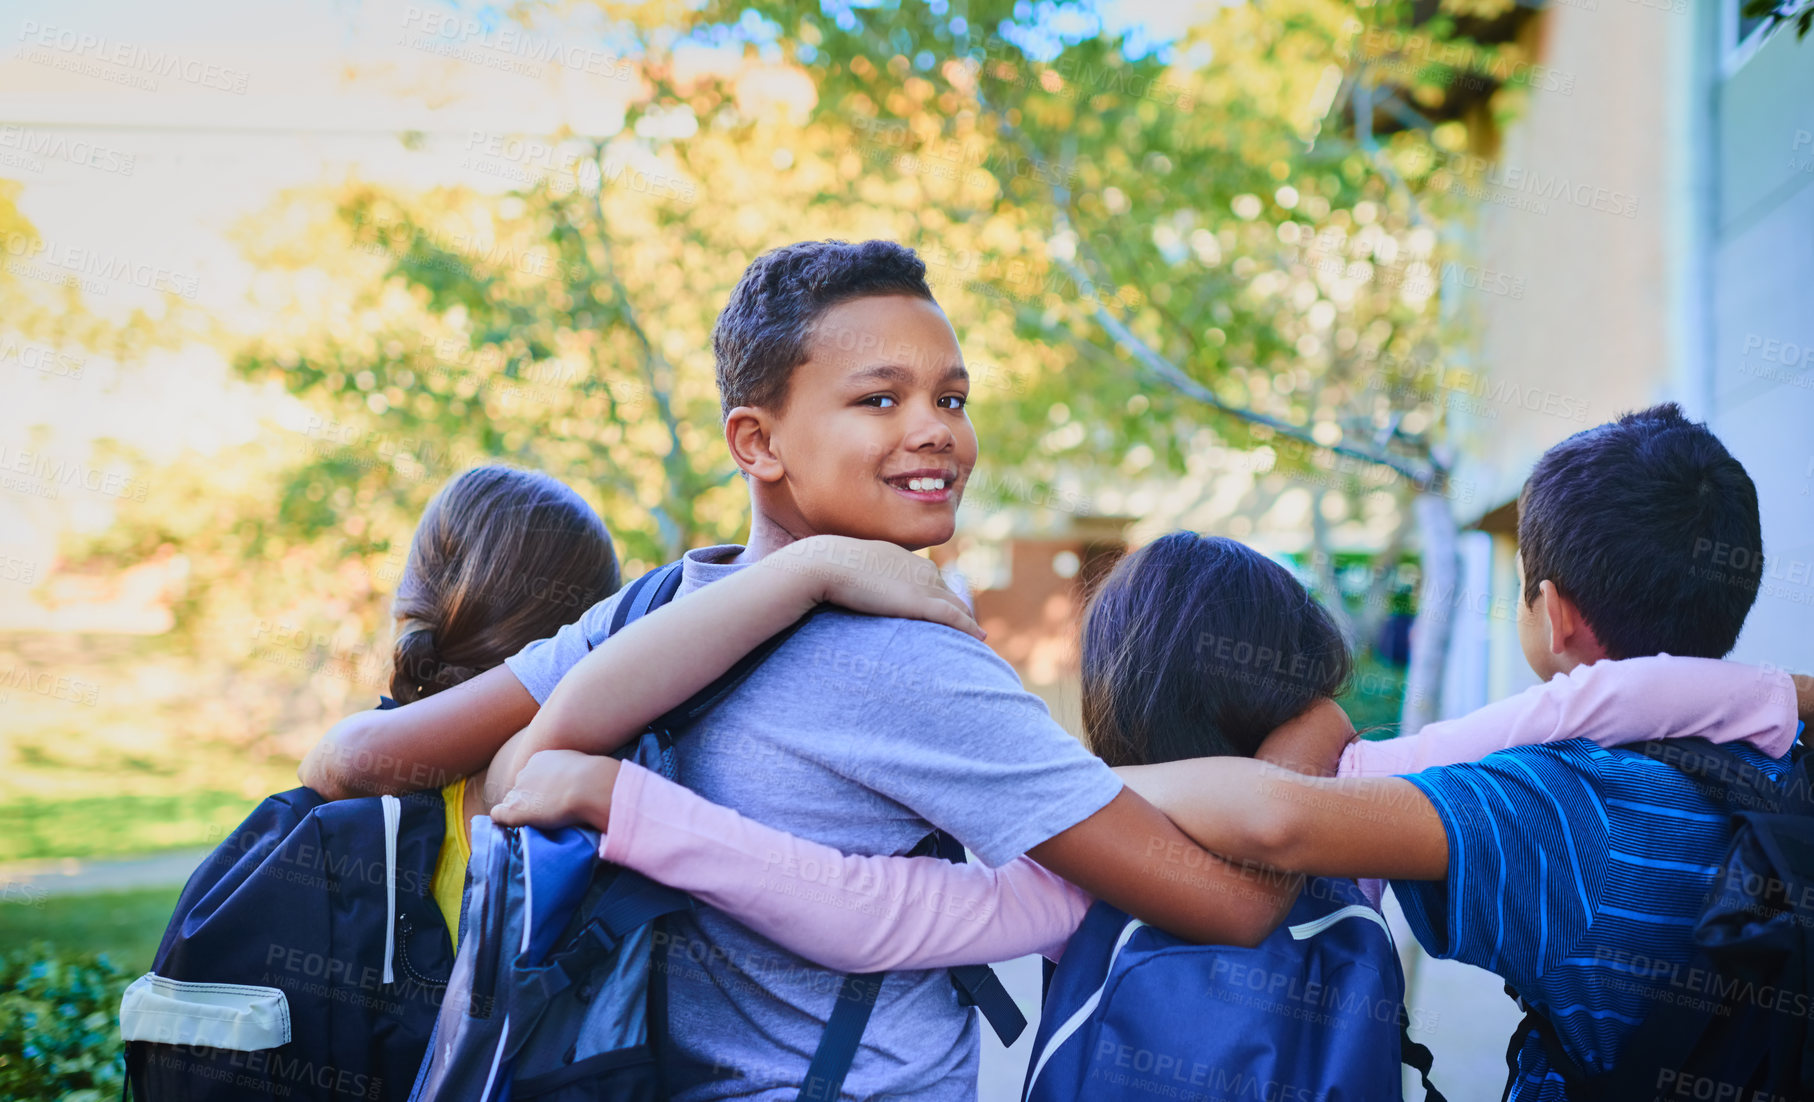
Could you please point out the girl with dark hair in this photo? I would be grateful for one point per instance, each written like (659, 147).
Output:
(1240, 649)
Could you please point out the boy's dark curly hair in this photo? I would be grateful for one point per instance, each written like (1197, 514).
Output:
(762, 334)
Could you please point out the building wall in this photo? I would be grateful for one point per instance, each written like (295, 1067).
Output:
(1702, 294)
(1575, 231)
(1762, 348)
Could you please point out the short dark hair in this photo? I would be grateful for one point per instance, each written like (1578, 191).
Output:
(762, 333)
(1651, 528)
(1199, 646)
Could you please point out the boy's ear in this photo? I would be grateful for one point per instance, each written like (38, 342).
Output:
(1558, 615)
(748, 431)
(1568, 632)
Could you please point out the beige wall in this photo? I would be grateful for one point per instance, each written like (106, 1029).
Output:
(1589, 335)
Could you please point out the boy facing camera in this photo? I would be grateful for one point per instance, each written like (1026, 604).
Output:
(843, 390)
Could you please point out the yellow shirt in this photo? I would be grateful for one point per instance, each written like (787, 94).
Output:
(450, 867)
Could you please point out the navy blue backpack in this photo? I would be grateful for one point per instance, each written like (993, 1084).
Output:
(1316, 1011)
(560, 994)
(306, 958)
(1737, 1020)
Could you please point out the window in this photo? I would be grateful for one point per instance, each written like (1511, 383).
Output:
(1740, 36)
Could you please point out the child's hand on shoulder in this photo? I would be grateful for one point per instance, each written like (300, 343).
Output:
(875, 577)
(557, 788)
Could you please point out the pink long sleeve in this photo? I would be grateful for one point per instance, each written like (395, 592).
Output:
(847, 912)
(1612, 703)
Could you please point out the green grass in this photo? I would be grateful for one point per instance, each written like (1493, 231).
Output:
(117, 825)
(125, 925)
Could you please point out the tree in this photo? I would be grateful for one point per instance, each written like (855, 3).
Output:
(1232, 232)
(1211, 232)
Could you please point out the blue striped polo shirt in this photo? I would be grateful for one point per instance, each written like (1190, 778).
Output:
(1577, 874)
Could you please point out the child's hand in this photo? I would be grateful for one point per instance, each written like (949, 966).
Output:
(873, 576)
(556, 788)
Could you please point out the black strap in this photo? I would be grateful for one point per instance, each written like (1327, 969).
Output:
(977, 984)
(1416, 1055)
(843, 1032)
(1581, 1087)
(709, 697)
(1724, 778)
(629, 903)
(651, 591)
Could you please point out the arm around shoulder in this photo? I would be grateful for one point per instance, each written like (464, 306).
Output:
(425, 744)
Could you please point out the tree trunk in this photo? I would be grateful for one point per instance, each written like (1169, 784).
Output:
(1435, 611)
(1323, 566)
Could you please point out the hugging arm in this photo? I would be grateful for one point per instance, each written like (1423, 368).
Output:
(666, 657)
(1254, 811)
(848, 912)
(656, 663)
(425, 744)
(1134, 854)
(1611, 703)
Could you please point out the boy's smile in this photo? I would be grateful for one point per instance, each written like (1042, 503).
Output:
(873, 440)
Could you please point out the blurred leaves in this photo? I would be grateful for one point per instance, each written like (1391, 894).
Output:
(59, 1030)
(1262, 203)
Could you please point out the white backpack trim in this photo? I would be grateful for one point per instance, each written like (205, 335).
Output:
(1075, 1021)
(393, 818)
(1305, 930)
(237, 1016)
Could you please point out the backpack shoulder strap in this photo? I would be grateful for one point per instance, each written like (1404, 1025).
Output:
(1420, 1059)
(657, 588)
(843, 1032)
(977, 984)
(651, 591)
(709, 697)
(1724, 778)
(1581, 1087)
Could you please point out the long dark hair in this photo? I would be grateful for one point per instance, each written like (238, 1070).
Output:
(1199, 646)
(501, 558)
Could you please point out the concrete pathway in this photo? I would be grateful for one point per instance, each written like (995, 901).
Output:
(32, 880)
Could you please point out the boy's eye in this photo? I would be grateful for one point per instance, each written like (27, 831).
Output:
(880, 401)
(959, 401)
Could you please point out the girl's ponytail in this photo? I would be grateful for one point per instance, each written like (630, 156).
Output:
(418, 670)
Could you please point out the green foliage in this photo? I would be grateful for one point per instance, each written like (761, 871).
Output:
(102, 826)
(1778, 12)
(59, 1025)
(1375, 697)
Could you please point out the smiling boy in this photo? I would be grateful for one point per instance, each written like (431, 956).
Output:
(843, 391)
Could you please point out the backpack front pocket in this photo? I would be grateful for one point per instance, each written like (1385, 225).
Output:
(237, 1016)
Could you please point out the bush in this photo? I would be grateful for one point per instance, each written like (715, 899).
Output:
(59, 1025)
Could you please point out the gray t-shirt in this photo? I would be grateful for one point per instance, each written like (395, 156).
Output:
(862, 733)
